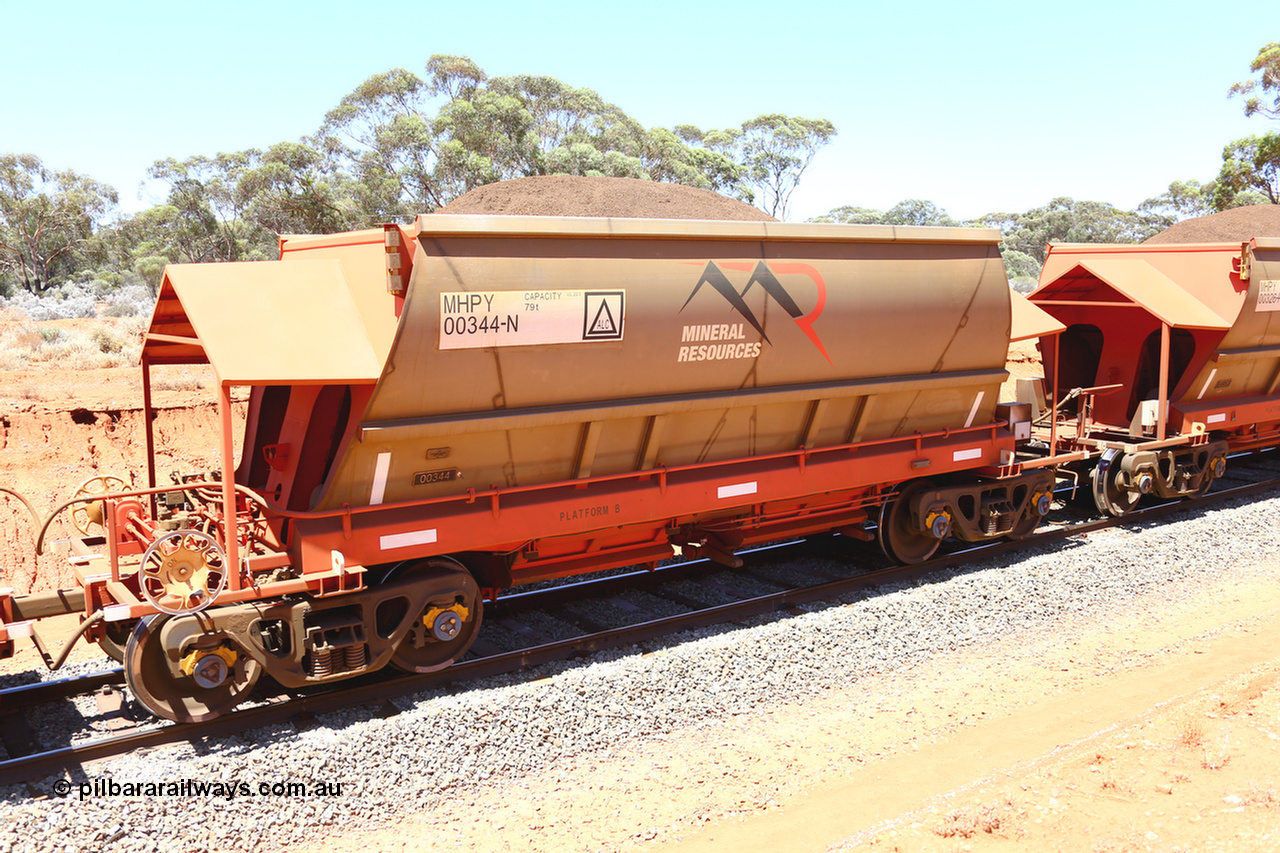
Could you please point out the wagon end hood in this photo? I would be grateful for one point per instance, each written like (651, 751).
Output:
(1131, 280)
(262, 323)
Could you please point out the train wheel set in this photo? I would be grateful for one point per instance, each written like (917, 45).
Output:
(443, 411)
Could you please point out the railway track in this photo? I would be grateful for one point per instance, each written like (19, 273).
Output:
(720, 596)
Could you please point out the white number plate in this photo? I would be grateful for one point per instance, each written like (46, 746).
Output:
(514, 318)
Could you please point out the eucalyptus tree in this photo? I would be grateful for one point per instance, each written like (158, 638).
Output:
(203, 217)
(1262, 94)
(774, 150)
(413, 144)
(1251, 166)
(911, 211)
(1182, 200)
(1065, 220)
(49, 221)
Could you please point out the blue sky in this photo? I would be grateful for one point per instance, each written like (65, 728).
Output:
(978, 107)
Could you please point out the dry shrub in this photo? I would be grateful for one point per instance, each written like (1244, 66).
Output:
(1215, 762)
(179, 383)
(19, 340)
(1114, 845)
(108, 343)
(1265, 794)
(993, 818)
(1190, 732)
(106, 340)
(1220, 759)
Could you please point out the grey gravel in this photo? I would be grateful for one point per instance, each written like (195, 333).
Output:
(443, 745)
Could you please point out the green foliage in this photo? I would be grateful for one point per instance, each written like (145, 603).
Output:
(851, 215)
(234, 207)
(1022, 270)
(1183, 200)
(667, 157)
(1262, 95)
(412, 144)
(1249, 165)
(774, 150)
(291, 188)
(151, 270)
(398, 145)
(1065, 220)
(914, 211)
(48, 222)
(1026, 236)
(202, 218)
(911, 211)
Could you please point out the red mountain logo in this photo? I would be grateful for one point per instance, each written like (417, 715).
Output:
(767, 278)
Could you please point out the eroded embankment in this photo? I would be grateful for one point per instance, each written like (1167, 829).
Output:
(46, 455)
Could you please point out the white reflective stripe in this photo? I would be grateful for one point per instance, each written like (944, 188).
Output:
(1216, 419)
(973, 413)
(1207, 382)
(380, 479)
(19, 629)
(971, 453)
(404, 540)
(115, 612)
(736, 490)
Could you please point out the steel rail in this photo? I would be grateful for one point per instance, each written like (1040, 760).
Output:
(53, 690)
(376, 688)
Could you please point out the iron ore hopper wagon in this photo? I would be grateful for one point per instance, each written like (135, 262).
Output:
(1165, 358)
(443, 411)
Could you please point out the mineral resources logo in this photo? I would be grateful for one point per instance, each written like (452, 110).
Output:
(767, 277)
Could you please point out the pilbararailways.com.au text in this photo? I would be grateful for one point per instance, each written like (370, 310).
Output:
(93, 789)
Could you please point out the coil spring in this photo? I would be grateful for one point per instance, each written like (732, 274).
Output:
(354, 656)
(997, 518)
(321, 662)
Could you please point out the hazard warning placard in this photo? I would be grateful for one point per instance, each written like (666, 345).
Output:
(511, 318)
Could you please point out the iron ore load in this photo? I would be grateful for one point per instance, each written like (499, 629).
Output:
(443, 411)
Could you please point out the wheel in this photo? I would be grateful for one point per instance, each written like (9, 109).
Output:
(1109, 496)
(898, 537)
(87, 516)
(213, 689)
(449, 621)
